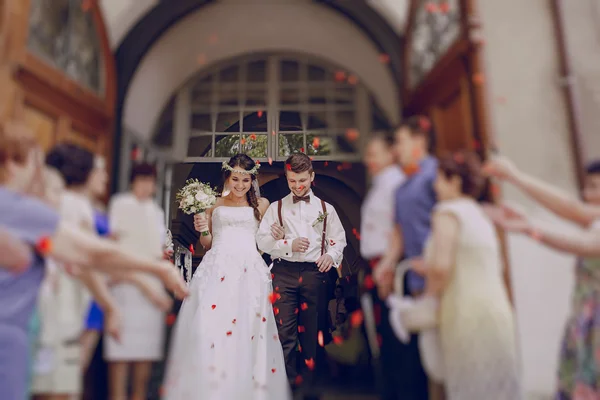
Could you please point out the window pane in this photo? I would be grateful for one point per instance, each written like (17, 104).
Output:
(256, 97)
(346, 142)
(317, 120)
(290, 121)
(289, 144)
(227, 145)
(316, 73)
(200, 146)
(64, 33)
(257, 71)
(230, 74)
(344, 95)
(255, 121)
(201, 98)
(318, 145)
(290, 96)
(202, 122)
(228, 122)
(255, 145)
(229, 98)
(317, 95)
(345, 120)
(290, 71)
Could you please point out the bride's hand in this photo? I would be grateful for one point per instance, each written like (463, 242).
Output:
(277, 231)
(200, 222)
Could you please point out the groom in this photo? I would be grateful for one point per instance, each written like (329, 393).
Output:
(305, 239)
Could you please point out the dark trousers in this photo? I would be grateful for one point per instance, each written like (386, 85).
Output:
(403, 376)
(301, 312)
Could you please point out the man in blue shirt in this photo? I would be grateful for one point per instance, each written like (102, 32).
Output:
(415, 200)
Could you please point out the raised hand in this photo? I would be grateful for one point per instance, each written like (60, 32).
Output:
(300, 245)
(500, 167)
(508, 218)
(277, 231)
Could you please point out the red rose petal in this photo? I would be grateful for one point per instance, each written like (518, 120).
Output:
(234, 321)
(171, 319)
(213, 306)
(356, 319)
(229, 333)
(296, 311)
(301, 329)
(298, 380)
(368, 282)
(192, 249)
(300, 280)
(44, 246)
(264, 319)
(272, 297)
(222, 278)
(338, 340)
(310, 363)
(303, 306)
(273, 370)
(275, 311)
(320, 339)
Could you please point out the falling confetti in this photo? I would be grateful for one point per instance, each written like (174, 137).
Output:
(213, 306)
(275, 310)
(478, 78)
(222, 278)
(171, 319)
(44, 246)
(368, 282)
(338, 340)
(229, 333)
(233, 321)
(310, 363)
(352, 79)
(356, 318)
(192, 249)
(320, 339)
(352, 134)
(288, 167)
(273, 370)
(264, 319)
(300, 280)
(298, 380)
(384, 58)
(316, 142)
(304, 306)
(301, 329)
(339, 76)
(259, 113)
(431, 8)
(270, 161)
(272, 297)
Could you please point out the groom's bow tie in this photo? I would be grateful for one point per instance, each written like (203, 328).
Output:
(305, 199)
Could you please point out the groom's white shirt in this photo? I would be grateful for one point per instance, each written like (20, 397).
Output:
(298, 220)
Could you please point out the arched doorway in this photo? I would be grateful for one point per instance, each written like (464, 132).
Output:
(270, 106)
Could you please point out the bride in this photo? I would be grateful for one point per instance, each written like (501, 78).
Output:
(225, 344)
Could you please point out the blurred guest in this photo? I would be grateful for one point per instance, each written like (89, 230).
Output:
(139, 225)
(415, 199)
(377, 225)
(579, 365)
(66, 306)
(464, 273)
(37, 224)
(337, 306)
(14, 254)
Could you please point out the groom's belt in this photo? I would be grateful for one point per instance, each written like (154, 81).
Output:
(299, 263)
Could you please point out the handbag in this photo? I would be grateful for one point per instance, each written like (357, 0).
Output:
(417, 315)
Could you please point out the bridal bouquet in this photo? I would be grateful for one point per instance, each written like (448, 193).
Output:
(196, 197)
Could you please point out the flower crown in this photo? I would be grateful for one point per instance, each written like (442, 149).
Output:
(253, 171)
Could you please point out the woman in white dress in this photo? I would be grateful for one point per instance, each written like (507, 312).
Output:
(225, 344)
(462, 263)
(138, 224)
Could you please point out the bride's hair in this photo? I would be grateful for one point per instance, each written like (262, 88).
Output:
(245, 162)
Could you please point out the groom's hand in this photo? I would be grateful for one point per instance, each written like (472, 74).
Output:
(325, 262)
(277, 231)
(300, 245)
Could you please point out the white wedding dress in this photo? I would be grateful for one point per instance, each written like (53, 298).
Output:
(225, 344)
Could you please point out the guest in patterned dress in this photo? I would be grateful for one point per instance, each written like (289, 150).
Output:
(579, 366)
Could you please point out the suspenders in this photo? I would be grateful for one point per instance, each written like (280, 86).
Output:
(323, 237)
